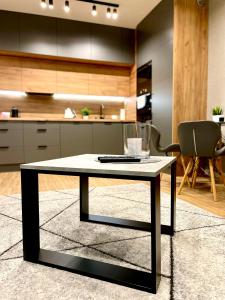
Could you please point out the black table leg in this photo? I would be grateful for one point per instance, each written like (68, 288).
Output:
(84, 198)
(30, 215)
(155, 233)
(173, 198)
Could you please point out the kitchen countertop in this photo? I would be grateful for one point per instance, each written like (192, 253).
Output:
(26, 119)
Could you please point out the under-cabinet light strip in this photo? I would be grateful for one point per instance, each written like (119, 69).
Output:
(88, 97)
(71, 97)
(12, 93)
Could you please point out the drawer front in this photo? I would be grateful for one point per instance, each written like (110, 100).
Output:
(11, 155)
(11, 125)
(35, 136)
(11, 137)
(76, 139)
(41, 152)
(41, 125)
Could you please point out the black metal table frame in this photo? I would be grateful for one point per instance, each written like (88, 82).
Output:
(112, 273)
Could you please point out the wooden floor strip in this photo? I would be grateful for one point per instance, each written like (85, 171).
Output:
(200, 196)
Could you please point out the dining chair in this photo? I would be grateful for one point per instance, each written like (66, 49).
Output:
(156, 137)
(199, 139)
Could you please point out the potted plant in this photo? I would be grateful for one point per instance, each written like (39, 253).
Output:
(217, 113)
(85, 111)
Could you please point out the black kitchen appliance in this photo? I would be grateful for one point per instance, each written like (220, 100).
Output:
(14, 112)
(144, 93)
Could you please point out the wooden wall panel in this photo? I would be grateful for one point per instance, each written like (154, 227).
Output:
(10, 73)
(123, 86)
(49, 76)
(190, 59)
(47, 107)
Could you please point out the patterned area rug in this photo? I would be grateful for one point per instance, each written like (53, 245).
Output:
(193, 261)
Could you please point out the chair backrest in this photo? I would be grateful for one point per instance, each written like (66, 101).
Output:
(199, 138)
(155, 138)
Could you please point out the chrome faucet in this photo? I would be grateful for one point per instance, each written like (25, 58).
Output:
(102, 116)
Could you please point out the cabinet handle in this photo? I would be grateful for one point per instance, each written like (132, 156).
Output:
(42, 147)
(4, 147)
(41, 130)
(4, 129)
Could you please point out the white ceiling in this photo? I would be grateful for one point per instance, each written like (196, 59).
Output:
(131, 12)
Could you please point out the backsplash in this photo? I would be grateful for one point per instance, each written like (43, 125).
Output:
(37, 106)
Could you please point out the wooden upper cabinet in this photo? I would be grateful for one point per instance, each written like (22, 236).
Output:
(9, 31)
(73, 39)
(102, 85)
(38, 34)
(72, 78)
(123, 86)
(10, 73)
(38, 76)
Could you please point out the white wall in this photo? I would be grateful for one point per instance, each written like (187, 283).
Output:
(216, 68)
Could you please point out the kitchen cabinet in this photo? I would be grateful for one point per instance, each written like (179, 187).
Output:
(10, 73)
(76, 138)
(128, 45)
(9, 30)
(38, 34)
(103, 85)
(108, 138)
(24, 142)
(38, 76)
(123, 86)
(11, 143)
(72, 78)
(73, 39)
(41, 141)
(106, 43)
(44, 35)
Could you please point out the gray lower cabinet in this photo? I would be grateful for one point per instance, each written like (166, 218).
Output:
(108, 138)
(36, 141)
(39, 153)
(11, 143)
(76, 138)
(41, 141)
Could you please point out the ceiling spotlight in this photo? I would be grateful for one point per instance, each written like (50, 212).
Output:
(67, 6)
(43, 4)
(115, 14)
(51, 5)
(108, 13)
(94, 11)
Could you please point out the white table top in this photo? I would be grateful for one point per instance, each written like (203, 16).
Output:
(87, 163)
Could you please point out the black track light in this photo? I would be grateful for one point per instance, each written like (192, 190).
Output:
(67, 6)
(94, 11)
(51, 5)
(108, 13)
(43, 4)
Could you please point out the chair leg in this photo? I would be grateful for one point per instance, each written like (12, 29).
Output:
(184, 168)
(185, 176)
(220, 170)
(212, 179)
(195, 171)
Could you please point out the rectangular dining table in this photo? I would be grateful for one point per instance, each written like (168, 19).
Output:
(86, 166)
